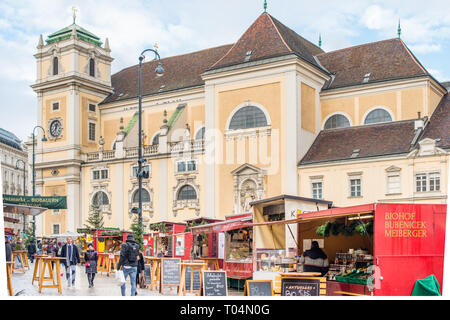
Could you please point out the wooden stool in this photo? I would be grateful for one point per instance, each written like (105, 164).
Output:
(47, 263)
(111, 264)
(103, 265)
(9, 266)
(194, 266)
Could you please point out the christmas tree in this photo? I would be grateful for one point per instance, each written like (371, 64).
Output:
(138, 232)
(95, 218)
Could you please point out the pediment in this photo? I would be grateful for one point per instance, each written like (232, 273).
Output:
(246, 169)
(393, 169)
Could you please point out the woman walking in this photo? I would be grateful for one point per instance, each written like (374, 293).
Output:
(91, 259)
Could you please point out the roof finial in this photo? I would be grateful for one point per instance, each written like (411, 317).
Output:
(320, 40)
(265, 6)
(74, 9)
(399, 29)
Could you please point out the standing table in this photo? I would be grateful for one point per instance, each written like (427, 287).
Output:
(194, 266)
(37, 266)
(208, 261)
(46, 262)
(9, 266)
(22, 255)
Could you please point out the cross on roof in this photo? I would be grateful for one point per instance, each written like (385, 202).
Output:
(75, 10)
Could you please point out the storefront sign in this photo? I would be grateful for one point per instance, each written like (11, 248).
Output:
(215, 283)
(43, 202)
(300, 287)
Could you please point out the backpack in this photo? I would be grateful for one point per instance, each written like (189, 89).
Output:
(132, 252)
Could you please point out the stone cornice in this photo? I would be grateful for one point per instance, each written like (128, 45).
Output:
(72, 79)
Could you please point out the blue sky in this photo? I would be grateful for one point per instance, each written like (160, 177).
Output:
(183, 26)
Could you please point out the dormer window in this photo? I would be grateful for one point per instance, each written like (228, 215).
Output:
(55, 66)
(248, 56)
(92, 67)
(366, 78)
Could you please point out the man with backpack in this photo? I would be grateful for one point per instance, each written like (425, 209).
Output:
(129, 256)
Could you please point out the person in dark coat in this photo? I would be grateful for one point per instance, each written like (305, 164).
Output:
(315, 260)
(140, 278)
(31, 250)
(91, 259)
(129, 254)
(70, 252)
(8, 249)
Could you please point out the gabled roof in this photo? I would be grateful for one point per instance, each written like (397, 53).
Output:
(439, 124)
(361, 142)
(82, 34)
(266, 38)
(383, 60)
(183, 71)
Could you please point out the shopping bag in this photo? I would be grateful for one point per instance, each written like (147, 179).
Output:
(120, 277)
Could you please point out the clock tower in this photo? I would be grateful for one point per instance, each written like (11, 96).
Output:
(73, 77)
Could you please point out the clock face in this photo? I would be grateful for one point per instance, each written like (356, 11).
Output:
(55, 128)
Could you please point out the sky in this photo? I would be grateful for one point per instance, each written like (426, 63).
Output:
(184, 26)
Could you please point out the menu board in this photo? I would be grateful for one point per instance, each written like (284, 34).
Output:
(170, 272)
(215, 283)
(300, 287)
(259, 288)
(195, 280)
(148, 273)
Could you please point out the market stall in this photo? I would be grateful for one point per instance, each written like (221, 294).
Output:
(163, 237)
(374, 249)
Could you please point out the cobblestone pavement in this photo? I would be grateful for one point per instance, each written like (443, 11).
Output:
(103, 286)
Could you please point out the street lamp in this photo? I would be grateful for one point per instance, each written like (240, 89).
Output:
(159, 72)
(33, 173)
(24, 168)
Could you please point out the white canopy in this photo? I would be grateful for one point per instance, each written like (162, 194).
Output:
(67, 234)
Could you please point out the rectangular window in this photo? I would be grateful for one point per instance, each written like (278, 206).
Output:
(435, 181)
(55, 106)
(55, 228)
(181, 166)
(96, 175)
(92, 134)
(421, 182)
(92, 107)
(100, 174)
(393, 184)
(104, 174)
(355, 188)
(187, 166)
(317, 190)
(192, 166)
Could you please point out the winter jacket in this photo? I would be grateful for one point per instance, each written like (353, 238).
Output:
(31, 248)
(141, 263)
(74, 259)
(124, 253)
(91, 258)
(8, 250)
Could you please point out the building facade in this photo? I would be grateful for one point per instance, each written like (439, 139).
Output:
(222, 127)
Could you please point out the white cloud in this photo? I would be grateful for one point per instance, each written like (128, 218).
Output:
(378, 18)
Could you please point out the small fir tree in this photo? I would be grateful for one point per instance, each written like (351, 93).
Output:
(95, 218)
(138, 233)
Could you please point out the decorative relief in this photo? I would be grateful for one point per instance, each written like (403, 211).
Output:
(249, 186)
(105, 208)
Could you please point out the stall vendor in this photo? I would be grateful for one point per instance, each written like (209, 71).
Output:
(314, 260)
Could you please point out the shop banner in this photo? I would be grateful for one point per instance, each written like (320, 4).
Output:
(37, 201)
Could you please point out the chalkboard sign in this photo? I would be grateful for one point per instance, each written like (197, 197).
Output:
(196, 280)
(148, 274)
(300, 287)
(170, 272)
(215, 283)
(258, 288)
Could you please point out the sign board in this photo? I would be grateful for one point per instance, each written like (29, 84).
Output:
(258, 288)
(215, 283)
(305, 287)
(195, 280)
(170, 272)
(37, 201)
(179, 246)
(148, 274)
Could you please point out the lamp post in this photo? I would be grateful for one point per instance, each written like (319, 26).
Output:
(159, 72)
(33, 173)
(24, 168)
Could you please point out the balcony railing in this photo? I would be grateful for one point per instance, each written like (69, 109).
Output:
(148, 151)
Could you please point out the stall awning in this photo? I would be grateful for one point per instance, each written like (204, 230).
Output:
(21, 209)
(329, 213)
(222, 226)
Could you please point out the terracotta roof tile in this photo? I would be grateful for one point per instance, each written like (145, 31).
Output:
(384, 60)
(439, 124)
(183, 71)
(265, 38)
(371, 140)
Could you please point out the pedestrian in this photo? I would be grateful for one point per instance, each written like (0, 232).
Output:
(39, 247)
(8, 249)
(31, 250)
(129, 254)
(91, 259)
(72, 255)
(140, 278)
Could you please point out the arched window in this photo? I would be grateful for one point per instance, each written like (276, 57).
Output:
(248, 117)
(187, 192)
(92, 67)
(337, 121)
(145, 196)
(55, 66)
(377, 116)
(155, 140)
(100, 199)
(200, 135)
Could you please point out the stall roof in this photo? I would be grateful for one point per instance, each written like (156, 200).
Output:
(329, 213)
(222, 226)
(284, 196)
(21, 209)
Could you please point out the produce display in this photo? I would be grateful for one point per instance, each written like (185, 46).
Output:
(357, 276)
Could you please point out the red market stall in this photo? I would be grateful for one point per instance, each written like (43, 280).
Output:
(162, 237)
(398, 245)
